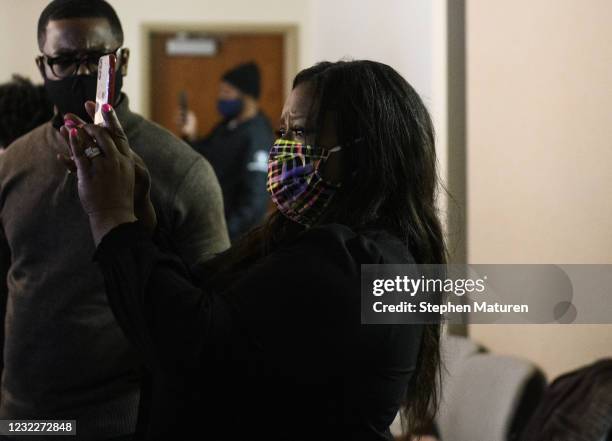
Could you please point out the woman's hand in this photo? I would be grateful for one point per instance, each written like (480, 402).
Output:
(113, 187)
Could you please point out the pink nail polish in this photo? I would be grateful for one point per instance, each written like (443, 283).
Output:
(70, 123)
(106, 108)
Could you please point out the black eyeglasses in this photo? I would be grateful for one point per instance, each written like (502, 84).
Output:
(67, 66)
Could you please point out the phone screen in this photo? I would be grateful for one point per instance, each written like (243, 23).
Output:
(105, 92)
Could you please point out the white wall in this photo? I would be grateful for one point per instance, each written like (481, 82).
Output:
(396, 32)
(409, 35)
(18, 45)
(540, 154)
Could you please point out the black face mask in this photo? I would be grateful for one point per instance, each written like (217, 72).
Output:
(69, 95)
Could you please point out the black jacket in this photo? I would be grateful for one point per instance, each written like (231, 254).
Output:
(280, 353)
(576, 407)
(239, 156)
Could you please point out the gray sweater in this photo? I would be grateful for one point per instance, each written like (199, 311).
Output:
(64, 355)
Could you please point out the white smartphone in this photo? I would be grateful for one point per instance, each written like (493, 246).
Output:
(105, 93)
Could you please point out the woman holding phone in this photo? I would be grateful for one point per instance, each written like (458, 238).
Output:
(266, 340)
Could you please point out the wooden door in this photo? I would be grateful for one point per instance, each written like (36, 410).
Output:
(199, 76)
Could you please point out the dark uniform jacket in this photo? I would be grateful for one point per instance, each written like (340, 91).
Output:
(239, 156)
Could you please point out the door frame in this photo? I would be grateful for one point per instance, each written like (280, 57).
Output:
(288, 31)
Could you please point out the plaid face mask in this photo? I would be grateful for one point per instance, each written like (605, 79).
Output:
(294, 182)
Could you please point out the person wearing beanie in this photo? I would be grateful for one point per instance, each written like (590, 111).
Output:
(237, 147)
(245, 77)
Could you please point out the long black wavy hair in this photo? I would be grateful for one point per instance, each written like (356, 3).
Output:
(390, 182)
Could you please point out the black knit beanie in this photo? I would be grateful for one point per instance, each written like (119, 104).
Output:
(244, 77)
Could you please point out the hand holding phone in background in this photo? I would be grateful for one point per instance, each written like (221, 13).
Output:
(186, 119)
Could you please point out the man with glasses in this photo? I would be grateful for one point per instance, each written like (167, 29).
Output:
(64, 355)
(71, 77)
